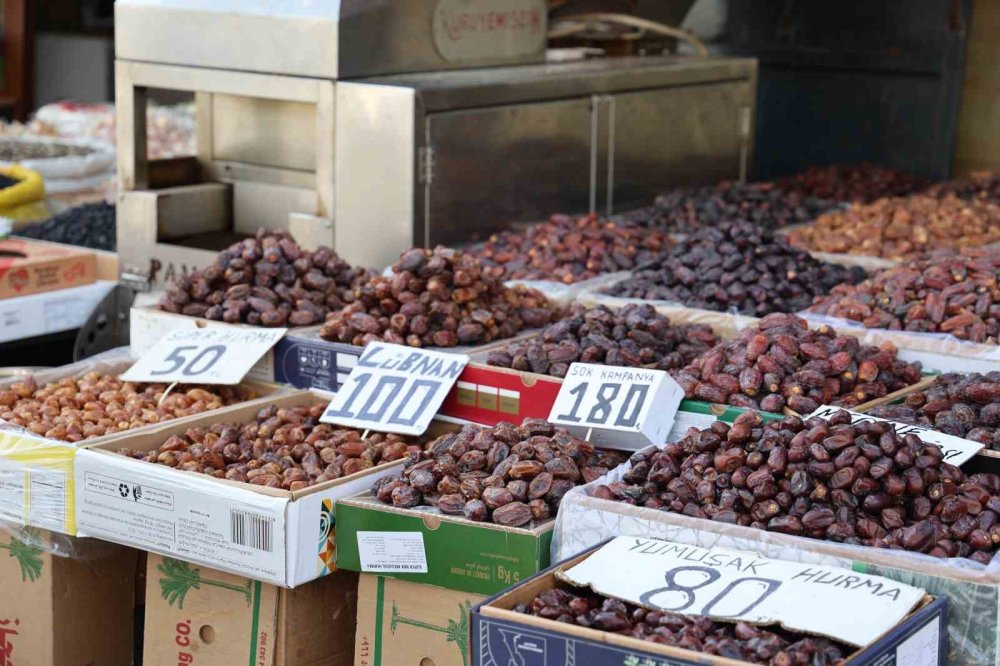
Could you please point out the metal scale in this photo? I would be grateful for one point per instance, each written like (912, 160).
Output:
(375, 125)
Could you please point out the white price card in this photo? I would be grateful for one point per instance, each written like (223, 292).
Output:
(956, 450)
(394, 388)
(215, 355)
(627, 408)
(734, 585)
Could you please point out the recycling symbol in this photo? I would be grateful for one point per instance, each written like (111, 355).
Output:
(123, 489)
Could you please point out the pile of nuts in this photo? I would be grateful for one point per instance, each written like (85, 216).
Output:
(896, 228)
(863, 183)
(283, 447)
(633, 336)
(267, 280)
(860, 484)
(767, 206)
(96, 404)
(954, 293)
(966, 406)
(569, 250)
(740, 641)
(509, 475)
(737, 266)
(782, 363)
(439, 298)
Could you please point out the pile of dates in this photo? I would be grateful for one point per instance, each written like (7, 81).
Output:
(767, 206)
(897, 228)
(966, 406)
(267, 280)
(439, 298)
(74, 409)
(982, 185)
(741, 641)
(633, 336)
(954, 293)
(509, 475)
(739, 267)
(283, 447)
(781, 363)
(569, 250)
(863, 183)
(860, 484)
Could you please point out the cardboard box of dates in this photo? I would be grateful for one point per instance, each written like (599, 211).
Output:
(198, 615)
(546, 620)
(937, 534)
(37, 456)
(66, 600)
(256, 500)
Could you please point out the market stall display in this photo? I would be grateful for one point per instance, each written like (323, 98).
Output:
(736, 267)
(440, 298)
(568, 250)
(781, 363)
(955, 294)
(633, 336)
(852, 182)
(89, 225)
(897, 228)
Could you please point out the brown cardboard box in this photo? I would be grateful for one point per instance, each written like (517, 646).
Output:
(407, 624)
(65, 611)
(27, 267)
(196, 615)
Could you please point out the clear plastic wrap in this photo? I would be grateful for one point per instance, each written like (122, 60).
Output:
(974, 589)
(563, 295)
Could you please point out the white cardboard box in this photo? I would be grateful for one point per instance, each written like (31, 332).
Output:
(50, 311)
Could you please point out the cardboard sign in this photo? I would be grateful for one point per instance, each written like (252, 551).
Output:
(957, 450)
(734, 585)
(394, 388)
(621, 407)
(204, 355)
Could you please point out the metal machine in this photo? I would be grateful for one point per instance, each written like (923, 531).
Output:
(372, 126)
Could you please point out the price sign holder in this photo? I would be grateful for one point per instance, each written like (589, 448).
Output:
(395, 389)
(212, 355)
(957, 450)
(623, 408)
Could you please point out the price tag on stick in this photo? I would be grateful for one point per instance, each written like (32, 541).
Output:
(394, 388)
(212, 355)
(628, 408)
(957, 450)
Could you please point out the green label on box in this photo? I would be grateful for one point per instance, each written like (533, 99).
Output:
(466, 556)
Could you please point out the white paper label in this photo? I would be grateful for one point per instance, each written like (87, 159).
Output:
(956, 450)
(395, 389)
(213, 355)
(734, 585)
(190, 518)
(392, 552)
(921, 649)
(623, 407)
(684, 421)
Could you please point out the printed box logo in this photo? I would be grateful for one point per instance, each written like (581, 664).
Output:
(7, 629)
(18, 279)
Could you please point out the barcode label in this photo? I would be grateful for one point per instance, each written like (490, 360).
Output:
(252, 530)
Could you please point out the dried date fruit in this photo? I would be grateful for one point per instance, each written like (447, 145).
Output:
(852, 182)
(437, 298)
(74, 409)
(901, 227)
(266, 280)
(287, 447)
(737, 641)
(512, 490)
(954, 293)
(569, 250)
(791, 376)
(632, 336)
(736, 266)
(911, 501)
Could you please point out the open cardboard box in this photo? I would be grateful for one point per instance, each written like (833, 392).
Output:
(196, 615)
(501, 636)
(273, 535)
(37, 472)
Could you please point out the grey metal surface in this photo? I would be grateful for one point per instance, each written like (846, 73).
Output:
(107, 326)
(497, 165)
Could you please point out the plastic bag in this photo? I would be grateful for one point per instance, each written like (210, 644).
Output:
(25, 200)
